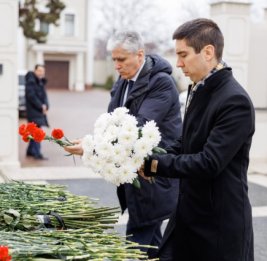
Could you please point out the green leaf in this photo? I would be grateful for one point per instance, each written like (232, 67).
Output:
(13, 212)
(159, 150)
(8, 219)
(136, 183)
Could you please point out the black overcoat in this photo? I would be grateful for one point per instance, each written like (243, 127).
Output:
(213, 220)
(154, 97)
(36, 96)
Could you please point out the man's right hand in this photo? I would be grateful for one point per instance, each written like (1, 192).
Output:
(75, 149)
(44, 108)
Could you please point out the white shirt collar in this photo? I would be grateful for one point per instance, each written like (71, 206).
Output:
(138, 72)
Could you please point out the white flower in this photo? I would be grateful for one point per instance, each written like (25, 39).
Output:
(86, 158)
(119, 154)
(126, 138)
(102, 122)
(104, 150)
(137, 161)
(95, 163)
(116, 151)
(151, 133)
(142, 148)
(88, 144)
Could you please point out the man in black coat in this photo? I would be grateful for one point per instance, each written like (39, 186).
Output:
(145, 86)
(36, 105)
(213, 219)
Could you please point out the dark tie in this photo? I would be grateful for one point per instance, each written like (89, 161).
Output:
(127, 91)
(130, 86)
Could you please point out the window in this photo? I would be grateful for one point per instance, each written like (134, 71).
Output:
(44, 27)
(69, 24)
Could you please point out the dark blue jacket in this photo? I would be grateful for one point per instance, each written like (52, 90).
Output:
(213, 219)
(153, 97)
(35, 97)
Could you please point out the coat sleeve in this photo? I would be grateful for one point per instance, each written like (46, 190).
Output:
(159, 100)
(176, 147)
(232, 129)
(32, 97)
(45, 97)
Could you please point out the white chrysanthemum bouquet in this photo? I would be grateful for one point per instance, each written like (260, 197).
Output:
(118, 146)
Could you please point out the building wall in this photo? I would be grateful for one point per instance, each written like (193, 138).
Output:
(8, 85)
(245, 51)
(257, 80)
(60, 46)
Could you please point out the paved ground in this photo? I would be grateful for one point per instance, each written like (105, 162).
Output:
(75, 113)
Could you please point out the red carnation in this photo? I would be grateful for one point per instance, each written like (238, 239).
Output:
(4, 254)
(26, 137)
(57, 134)
(38, 135)
(31, 127)
(22, 129)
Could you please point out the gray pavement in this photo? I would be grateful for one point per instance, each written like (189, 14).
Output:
(73, 112)
(76, 113)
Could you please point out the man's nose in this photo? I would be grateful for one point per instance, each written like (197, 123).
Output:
(117, 66)
(179, 63)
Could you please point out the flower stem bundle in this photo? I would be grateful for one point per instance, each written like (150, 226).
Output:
(79, 244)
(85, 235)
(28, 207)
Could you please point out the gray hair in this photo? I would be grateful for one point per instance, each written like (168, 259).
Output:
(128, 40)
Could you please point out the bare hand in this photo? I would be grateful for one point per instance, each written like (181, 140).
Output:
(75, 149)
(44, 108)
(141, 173)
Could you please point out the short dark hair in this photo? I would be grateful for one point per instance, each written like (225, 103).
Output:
(200, 32)
(38, 65)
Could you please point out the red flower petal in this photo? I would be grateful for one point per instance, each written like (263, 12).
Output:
(57, 134)
(38, 135)
(22, 129)
(4, 254)
(31, 127)
(26, 137)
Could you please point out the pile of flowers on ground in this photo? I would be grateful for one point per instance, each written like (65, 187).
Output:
(75, 228)
(28, 207)
(117, 148)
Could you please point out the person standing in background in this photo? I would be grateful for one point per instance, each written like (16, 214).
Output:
(36, 106)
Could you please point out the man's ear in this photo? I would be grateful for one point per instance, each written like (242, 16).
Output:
(209, 52)
(141, 54)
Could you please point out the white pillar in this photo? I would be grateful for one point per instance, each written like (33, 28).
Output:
(257, 77)
(79, 81)
(233, 17)
(21, 50)
(39, 57)
(89, 65)
(8, 85)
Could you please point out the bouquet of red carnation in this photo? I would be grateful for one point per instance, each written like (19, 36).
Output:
(4, 254)
(30, 131)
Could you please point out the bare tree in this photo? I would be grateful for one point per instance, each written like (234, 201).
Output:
(141, 15)
(193, 9)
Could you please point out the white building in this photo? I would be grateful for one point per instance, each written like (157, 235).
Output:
(67, 53)
(8, 85)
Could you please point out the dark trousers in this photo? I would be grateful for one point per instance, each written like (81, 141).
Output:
(166, 251)
(34, 149)
(146, 235)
